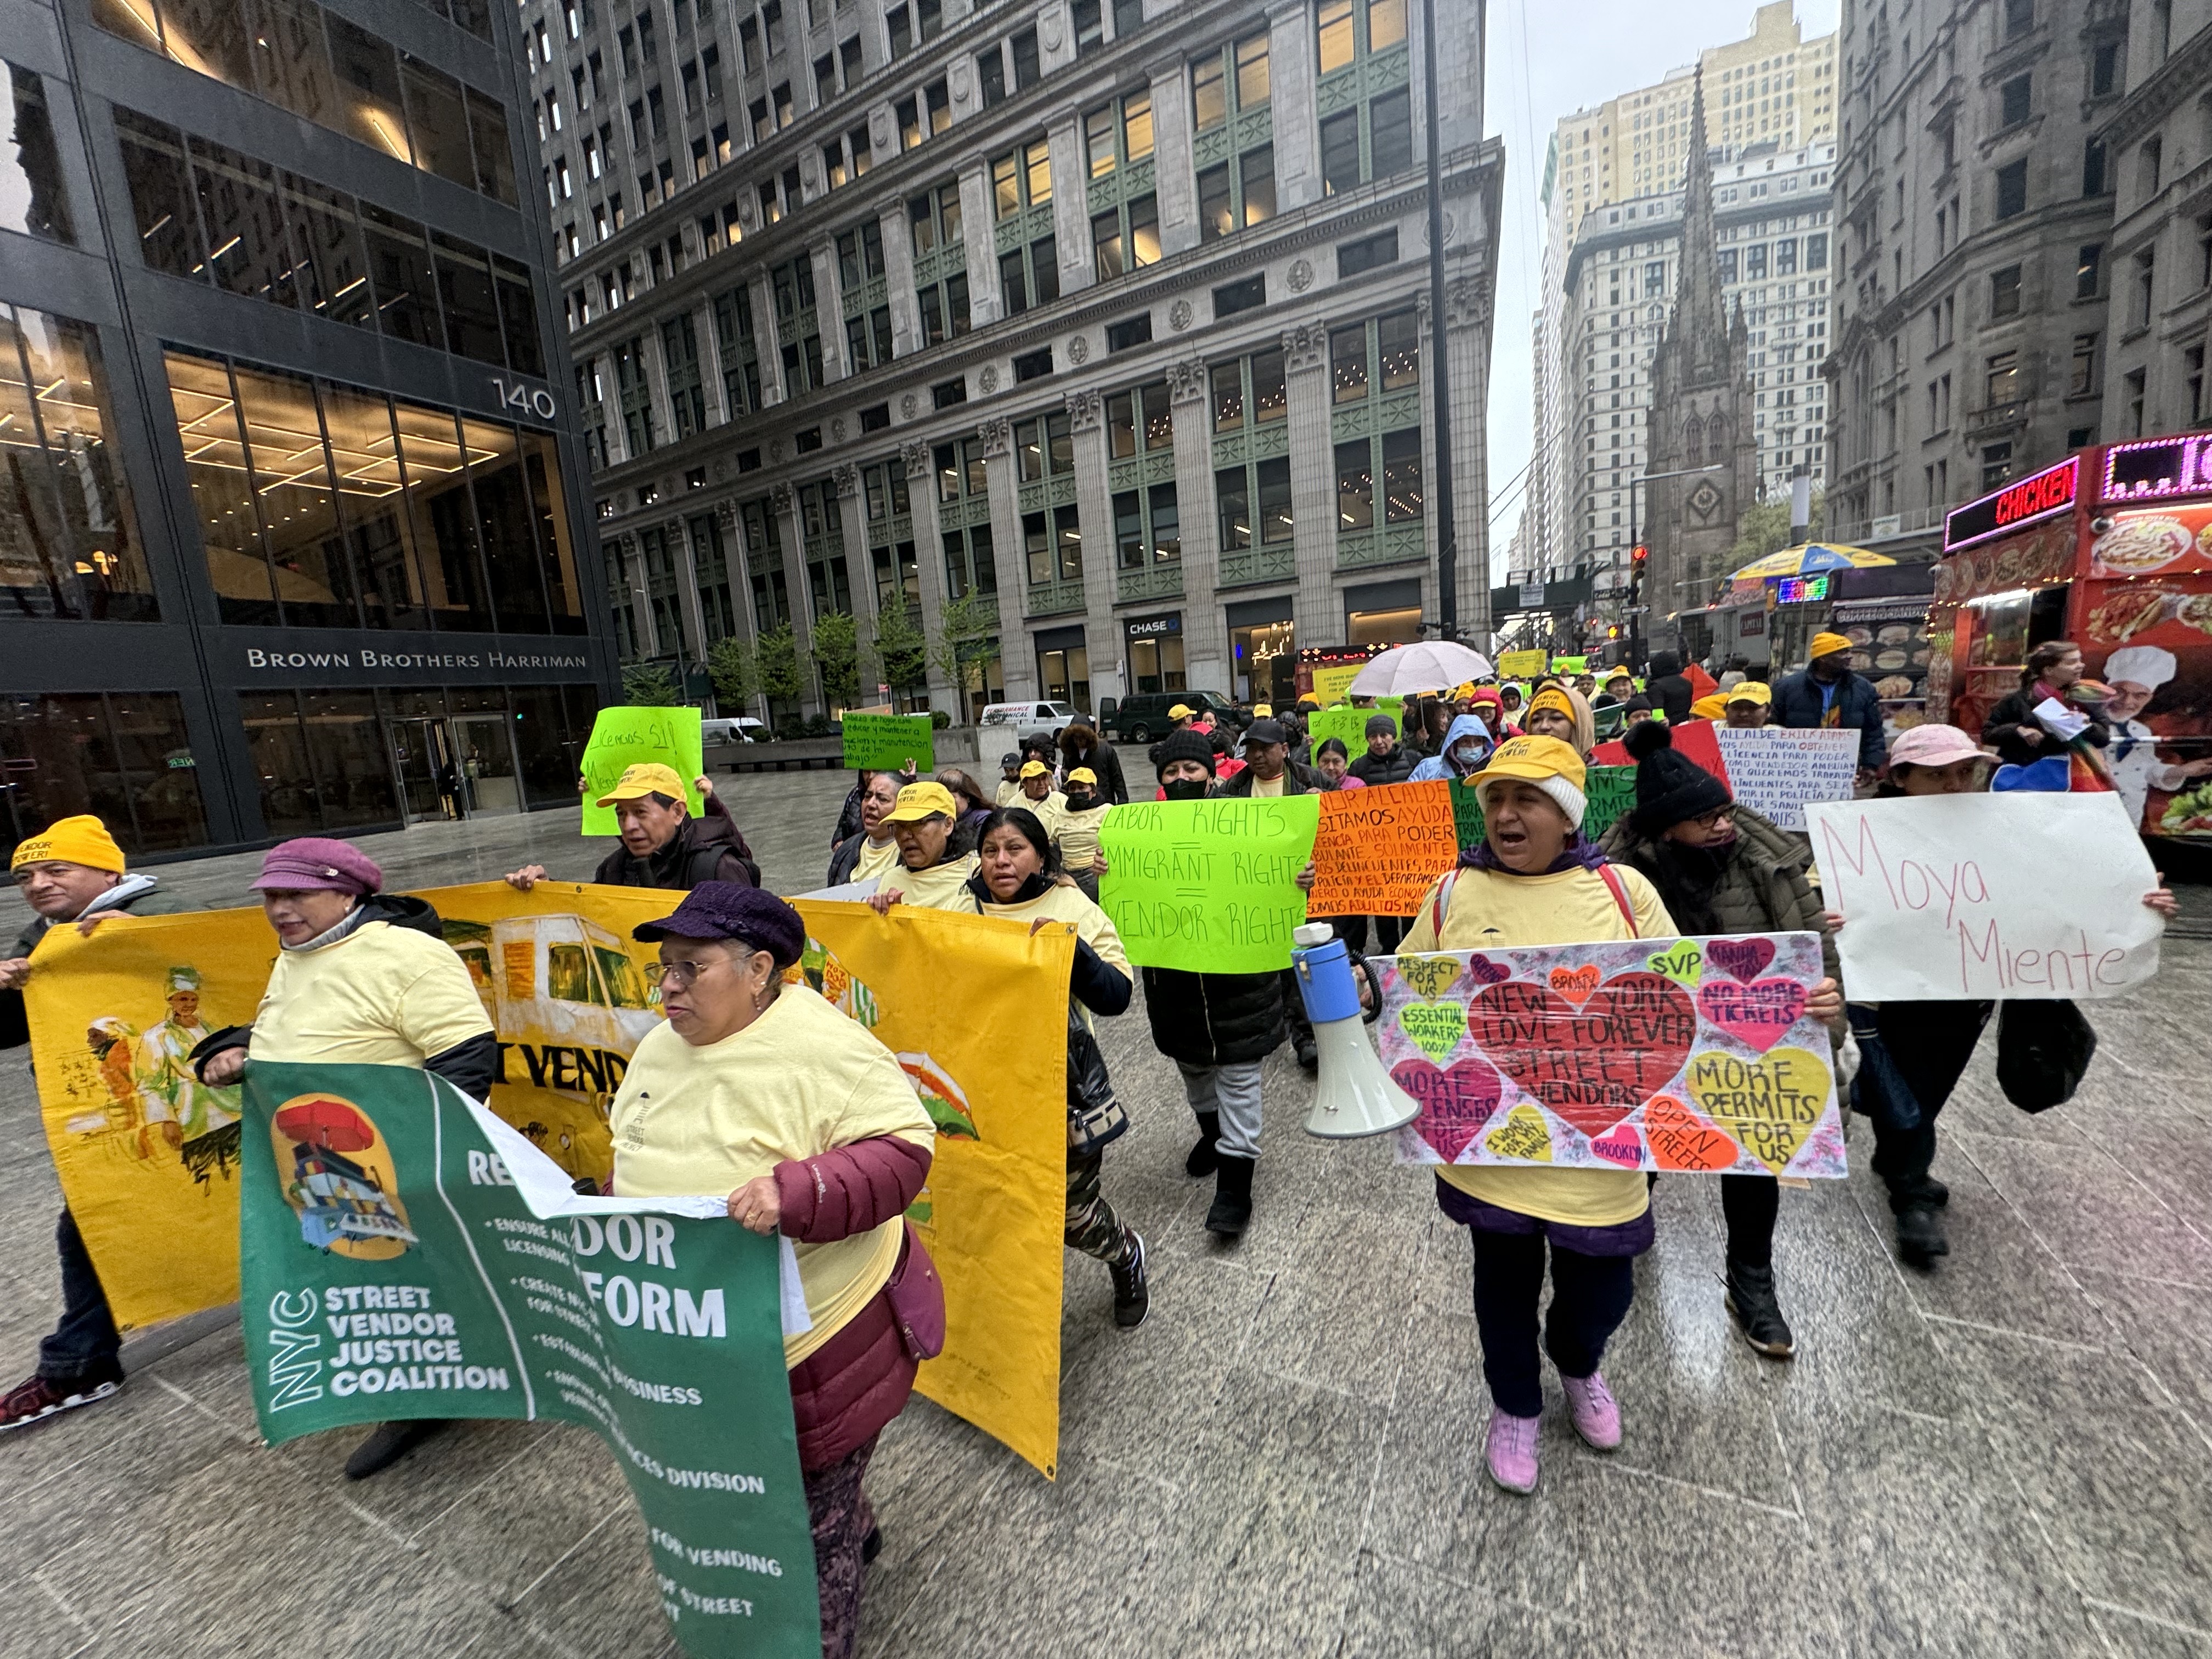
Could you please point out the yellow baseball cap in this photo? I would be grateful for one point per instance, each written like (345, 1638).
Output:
(79, 840)
(1033, 769)
(647, 778)
(1758, 692)
(1826, 645)
(1083, 775)
(1532, 759)
(1180, 711)
(1709, 707)
(918, 801)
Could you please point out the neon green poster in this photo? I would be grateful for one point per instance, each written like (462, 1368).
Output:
(1210, 885)
(890, 743)
(622, 738)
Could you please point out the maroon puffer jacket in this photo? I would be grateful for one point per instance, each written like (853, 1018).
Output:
(845, 1391)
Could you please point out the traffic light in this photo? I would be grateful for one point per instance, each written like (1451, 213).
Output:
(1614, 632)
(1637, 554)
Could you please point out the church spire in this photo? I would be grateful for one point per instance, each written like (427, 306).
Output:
(1699, 320)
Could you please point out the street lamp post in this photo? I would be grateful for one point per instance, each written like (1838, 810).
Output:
(1636, 581)
(1440, 492)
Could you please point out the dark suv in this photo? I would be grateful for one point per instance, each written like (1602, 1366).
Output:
(1143, 717)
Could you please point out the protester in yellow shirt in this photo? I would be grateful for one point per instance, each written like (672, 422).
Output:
(1075, 832)
(1016, 880)
(873, 853)
(928, 872)
(362, 977)
(1535, 880)
(757, 1088)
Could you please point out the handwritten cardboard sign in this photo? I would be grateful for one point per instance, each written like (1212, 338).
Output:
(1963, 897)
(1378, 850)
(1776, 770)
(623, 737)
(1692, 1054)
(1208, 885)
(888, 742)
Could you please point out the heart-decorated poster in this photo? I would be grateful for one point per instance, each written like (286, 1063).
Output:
(1690, 1054)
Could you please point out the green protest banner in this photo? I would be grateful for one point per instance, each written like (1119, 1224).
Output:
(1350, 725)
(1209, 885)
(1609, 790)
(403, 1254)
(622, 738)
(888, 742)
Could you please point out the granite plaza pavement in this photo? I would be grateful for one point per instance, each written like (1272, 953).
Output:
(2011, 1456)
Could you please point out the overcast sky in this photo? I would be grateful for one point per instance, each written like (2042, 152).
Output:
(1541, 68)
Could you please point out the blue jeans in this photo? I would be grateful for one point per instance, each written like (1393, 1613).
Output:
(85, 1346)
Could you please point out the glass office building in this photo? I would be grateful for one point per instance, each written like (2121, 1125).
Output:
(287, 544)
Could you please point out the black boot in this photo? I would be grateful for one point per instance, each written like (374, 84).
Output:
(1132, 1296)
(1920, 1236)
(1202, 1160)
(1757, 1311)
(1231, 1210)
(390, 1442)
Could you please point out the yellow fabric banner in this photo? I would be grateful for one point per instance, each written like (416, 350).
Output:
(147, 1155)
(994, 1210)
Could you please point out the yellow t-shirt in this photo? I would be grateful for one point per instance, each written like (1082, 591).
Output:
(875, 860)
(1009, 792)
(1092, 926)
(1076, 834)
(1494, 912)
(937, 888)
(1048, 810)
(1268, 788)
(800, 1080)
(380, 996)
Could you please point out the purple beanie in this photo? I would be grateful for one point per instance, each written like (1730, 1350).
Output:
(731, 910)
(317, 862)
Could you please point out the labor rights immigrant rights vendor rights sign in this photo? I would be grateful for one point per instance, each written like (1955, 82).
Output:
(406, 1254)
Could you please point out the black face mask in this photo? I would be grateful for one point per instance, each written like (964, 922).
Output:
(1081, 801)
(1186, 789)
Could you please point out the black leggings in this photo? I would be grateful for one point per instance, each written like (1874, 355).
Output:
(1590, 1295)
(1750, 1203)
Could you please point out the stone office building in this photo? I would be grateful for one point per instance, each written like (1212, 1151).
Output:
(1090, 336)
(288, 544)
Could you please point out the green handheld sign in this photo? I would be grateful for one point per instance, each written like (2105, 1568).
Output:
(1208, 885)
(403, 1253)
(886, 742)
(623, 737)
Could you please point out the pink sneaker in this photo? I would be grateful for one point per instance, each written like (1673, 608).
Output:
(1595, 1412)
(1512, 1451)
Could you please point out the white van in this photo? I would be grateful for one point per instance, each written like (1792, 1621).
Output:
(738, 729)
(1018, 721)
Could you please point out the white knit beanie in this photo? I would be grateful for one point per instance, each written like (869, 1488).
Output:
(1570, 800)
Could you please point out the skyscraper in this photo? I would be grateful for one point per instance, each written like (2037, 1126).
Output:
(288, 544)
(1074, 352)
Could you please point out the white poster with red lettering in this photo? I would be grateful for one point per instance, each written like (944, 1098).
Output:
(1976, 897)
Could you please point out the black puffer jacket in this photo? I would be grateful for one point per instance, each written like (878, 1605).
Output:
(705, 848)
(1375, 770)
(1213, 1019)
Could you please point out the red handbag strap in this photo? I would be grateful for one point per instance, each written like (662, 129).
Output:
(1619, 891)
(1441, 903)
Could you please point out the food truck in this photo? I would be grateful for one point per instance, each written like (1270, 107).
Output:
(2112, 548)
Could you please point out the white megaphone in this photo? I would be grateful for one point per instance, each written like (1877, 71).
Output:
(1355, 1096)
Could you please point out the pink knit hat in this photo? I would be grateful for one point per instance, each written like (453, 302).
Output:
(317, 862)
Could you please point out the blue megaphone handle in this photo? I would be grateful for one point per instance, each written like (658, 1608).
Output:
(1325, 982)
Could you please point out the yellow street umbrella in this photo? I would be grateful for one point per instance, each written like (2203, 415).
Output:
(1810, 560)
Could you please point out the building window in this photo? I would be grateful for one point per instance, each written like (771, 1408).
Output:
(1052, 544)
(1127, 238)
(1045, 447)
(2092, 165)
(2002, 379)
(1246, 296)
(1373, 139)
(740, 352)
(2146, 287)
(945, 393)
(940, 262)
(1249, 392)
(1129, 331)
(2013, 101)
(1147, 527)
(2132, 390)
(2004, 292)
(33, 198)
(2104, 69)
(679, 359)
(1368, 254)
(2088, 271)
(2083, 379)
(2012, 189)
(1384, 353)
(1029, 254)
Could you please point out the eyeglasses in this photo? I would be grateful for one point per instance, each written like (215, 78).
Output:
(678, 973)
(1714, 819)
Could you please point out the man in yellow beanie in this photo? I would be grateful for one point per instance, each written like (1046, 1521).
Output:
(1826, 693)
(72, 872)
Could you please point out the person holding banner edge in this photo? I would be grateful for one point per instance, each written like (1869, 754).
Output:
(1016, 880)
(1534, 879)
(1719, 867)
(362, 977)
(759, 1088)
(71, 872)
